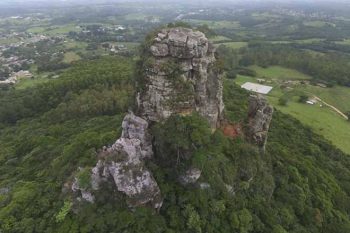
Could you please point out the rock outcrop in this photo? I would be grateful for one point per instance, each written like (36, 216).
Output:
(83, 193)
(191, 176)
(259, 118)
(180, 77)
(123, 163)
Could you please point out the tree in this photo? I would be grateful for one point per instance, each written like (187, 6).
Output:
(193, 219)
(84, 177)
(206, 30)
(303, 98)
(231, 74)
(105, 46)
(64, 211)
(348, 115)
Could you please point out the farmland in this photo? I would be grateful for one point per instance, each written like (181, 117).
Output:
(320, 118)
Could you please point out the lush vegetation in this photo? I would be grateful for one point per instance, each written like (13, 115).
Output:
(52, 126)
(289, 85)
(298, 185)
(72, 90)
(329, 68)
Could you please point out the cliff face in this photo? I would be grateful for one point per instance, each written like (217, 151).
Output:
(180, 77)
(123, 165)
(123, 162)
(259, 119)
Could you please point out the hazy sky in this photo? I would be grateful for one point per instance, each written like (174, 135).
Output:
(55, 2)
(290, 1)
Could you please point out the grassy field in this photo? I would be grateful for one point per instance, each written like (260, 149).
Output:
(8, 41)
(322, 120)
(278, 72)
(265, 15)
(219, 38)
(316, 23)
(136, 16)
(54, 30)
(25, 83)
(305, 41)
(338, 96)
(241, 79)
(72, 44)
(69, 57)
(235, 45)
(216, 24)
(344, 42)
(36, 30)
(129, 45)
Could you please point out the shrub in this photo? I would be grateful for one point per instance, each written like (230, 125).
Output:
(84, 178)
(283, 101)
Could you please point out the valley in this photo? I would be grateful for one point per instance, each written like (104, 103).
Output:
(124, 116)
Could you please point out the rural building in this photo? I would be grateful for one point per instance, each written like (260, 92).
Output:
(258, 88)
(261, 80)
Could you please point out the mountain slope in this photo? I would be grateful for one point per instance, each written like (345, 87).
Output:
(300, 184)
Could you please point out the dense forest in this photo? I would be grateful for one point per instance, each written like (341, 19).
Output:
(300, 184)
(332, 68)
(329, 68)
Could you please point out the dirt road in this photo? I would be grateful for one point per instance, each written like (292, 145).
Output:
(332, 107)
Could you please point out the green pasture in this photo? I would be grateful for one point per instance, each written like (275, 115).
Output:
(278, 72)
(235, 45)
(320, 118)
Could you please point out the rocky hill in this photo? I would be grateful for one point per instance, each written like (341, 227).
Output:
(62, 169)
(179, 78)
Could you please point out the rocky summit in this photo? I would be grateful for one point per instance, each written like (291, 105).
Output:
(179, 77)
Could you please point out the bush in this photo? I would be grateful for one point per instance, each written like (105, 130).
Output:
(179, 137)
(348, 115)
(303, 98)
(231, 74)
(64, 211)
(246, 72)
(283, 101)
(84, 178)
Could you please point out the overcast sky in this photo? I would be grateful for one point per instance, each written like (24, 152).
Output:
(308, 1)
(26, 2)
